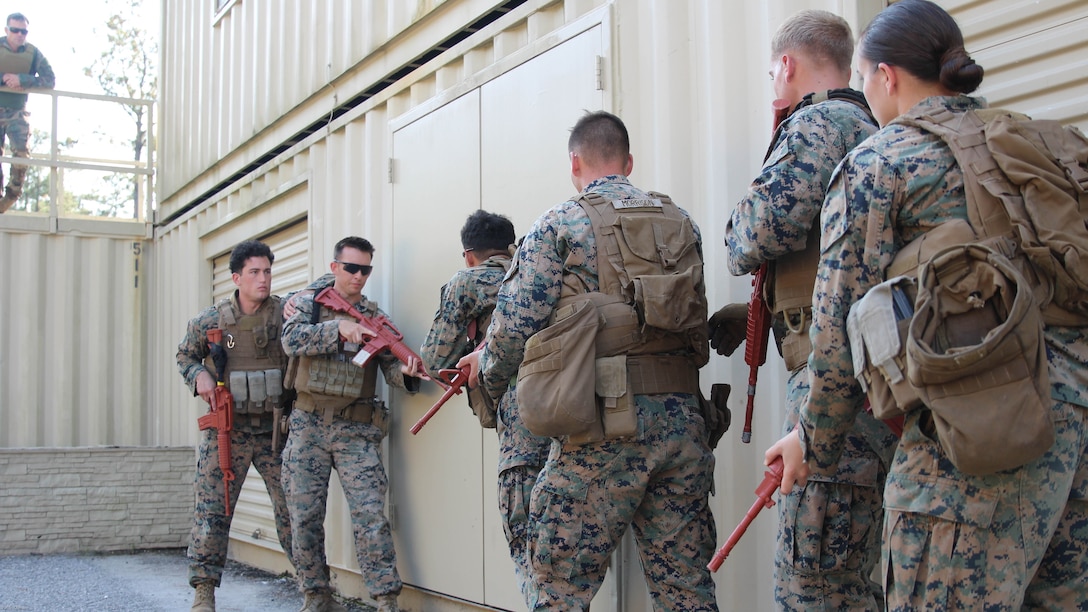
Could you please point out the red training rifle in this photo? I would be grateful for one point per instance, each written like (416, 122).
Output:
(387, 336)
(772, 479)
(758, 330)
(221, 413)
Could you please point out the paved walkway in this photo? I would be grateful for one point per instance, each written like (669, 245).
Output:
(140, 582)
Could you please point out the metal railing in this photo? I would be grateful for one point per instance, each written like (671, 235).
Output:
(141, 171)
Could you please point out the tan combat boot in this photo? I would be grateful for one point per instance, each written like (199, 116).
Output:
(387, 603)
(204, 598)
(321, 601)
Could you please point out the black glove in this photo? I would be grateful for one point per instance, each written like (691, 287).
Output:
(728, 328)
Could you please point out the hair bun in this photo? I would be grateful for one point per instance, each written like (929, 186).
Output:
(959, 72)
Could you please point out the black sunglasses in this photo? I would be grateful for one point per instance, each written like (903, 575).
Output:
(18, 30)
(353, 268)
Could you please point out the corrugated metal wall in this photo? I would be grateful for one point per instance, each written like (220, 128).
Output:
(72, 325)
(1035, 53)
(689, 78)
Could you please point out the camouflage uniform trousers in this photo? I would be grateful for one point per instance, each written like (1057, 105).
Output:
(829, 530)
(211, 527)
(1015, 540)
(515, 493)
(353, 449)
(658, 483)
(14, 127)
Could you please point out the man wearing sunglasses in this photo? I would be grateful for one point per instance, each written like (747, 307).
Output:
(339, 423)
(23, 67)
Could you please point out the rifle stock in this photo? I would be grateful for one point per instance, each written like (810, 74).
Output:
(221, 413)
(387, 336)
(772, 479)
(758, 329)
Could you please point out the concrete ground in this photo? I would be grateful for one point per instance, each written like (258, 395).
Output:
(138, 582)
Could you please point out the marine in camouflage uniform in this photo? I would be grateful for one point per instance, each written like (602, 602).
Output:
(466, 304)
(952, 541)
(251, 435)
(22, 66)
(657, 482)
(829, 530)
(332, 429)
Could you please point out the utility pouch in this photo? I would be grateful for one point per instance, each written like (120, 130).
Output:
(976, 355)
(239, 389)
(483, 407)
(335, 378)
(291, 373)
(258, 390)
(381, 417)
(656, 298)
(556, 379)
(617, 404)
(877, 326)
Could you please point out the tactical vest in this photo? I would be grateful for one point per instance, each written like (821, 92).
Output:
(17, 63)
(1026, 190)
(652, 299)
(255, 357)
(331, 384)
(794, 274)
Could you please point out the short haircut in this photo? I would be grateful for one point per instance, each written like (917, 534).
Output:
(823, 36)
(600, 137)
(354, 242)
(485, 231)
(17, 17)
(246, 249)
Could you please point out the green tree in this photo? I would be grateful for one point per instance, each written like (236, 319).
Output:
(127, 68)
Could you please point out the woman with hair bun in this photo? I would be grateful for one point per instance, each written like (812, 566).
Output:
(1016, 539)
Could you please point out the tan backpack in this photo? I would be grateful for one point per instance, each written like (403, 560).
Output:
(1026, 180)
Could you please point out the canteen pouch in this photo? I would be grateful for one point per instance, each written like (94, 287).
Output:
(556, 380)
(975, 353)
(877, 327)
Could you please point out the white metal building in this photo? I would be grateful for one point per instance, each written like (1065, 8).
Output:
(300, 122)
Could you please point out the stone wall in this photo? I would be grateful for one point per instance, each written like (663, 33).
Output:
(95, 499)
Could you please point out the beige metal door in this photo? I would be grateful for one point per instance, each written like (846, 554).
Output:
(501, 147)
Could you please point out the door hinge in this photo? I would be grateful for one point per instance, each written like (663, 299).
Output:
(600, 73)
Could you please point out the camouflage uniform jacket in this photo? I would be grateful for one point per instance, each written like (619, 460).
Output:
(468, 296)
(300, 337)
(560, 243)
(784, 201)
(891, 189)
(193, 349)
